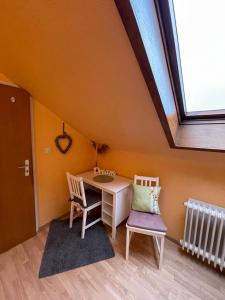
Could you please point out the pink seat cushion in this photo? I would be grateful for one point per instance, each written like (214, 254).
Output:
(146, 221)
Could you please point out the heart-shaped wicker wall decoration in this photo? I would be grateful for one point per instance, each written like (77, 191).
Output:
(63, 142)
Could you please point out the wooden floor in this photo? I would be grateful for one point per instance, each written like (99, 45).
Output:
(181, 276)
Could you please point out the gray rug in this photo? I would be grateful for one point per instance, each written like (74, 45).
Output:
(65, 250)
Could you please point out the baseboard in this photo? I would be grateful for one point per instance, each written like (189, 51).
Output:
(66, 215)
(173, 240)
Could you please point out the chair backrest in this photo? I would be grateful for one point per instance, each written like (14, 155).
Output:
(76, 187)
(146, 181)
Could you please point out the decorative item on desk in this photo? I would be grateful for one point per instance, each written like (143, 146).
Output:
(102, 175)
(98, 171)
(63, 141)
(99, 149)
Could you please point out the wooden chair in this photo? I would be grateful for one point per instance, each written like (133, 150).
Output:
(147, 223)
(86, 200)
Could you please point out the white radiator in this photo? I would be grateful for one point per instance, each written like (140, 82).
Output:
(204, 232)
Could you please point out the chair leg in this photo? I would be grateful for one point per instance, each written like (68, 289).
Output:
(71, 214)
(84, 223)
(127, 243)
(161, 252)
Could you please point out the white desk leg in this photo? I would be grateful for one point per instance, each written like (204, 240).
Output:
(114, 232)
(114, 217)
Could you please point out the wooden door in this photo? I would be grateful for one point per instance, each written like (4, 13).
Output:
(17, 210)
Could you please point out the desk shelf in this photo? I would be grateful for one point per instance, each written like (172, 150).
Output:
(108, 209)
(107, 198)
(106, 219)
(110, 203)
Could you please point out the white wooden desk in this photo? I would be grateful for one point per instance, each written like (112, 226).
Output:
(116, 198)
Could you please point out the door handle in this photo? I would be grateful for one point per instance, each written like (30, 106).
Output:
(26, 167)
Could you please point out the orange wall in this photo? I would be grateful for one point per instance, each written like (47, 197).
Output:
(3, 78)
(82, 67)
(182, 175)
(51, 168)
(52, 190)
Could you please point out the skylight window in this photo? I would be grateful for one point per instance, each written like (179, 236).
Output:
(200, 26)
(180, 48)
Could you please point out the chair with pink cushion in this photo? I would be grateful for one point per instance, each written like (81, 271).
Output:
(147, 223)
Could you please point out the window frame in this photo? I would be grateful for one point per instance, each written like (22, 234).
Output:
(192, 134)
(167, 22)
